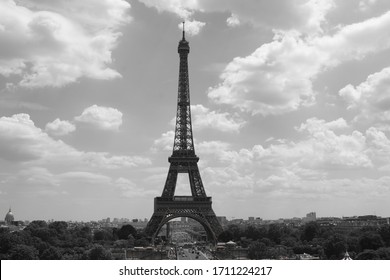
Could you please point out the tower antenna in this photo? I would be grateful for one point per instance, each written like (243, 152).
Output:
(183, 31)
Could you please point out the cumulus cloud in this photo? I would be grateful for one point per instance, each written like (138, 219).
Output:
(21, 141)
(278, 76)
(60, 128)
(371, 99)
(183, 9)
(275, 79)
(212, 147)
(302, 169)
(305, 15)
(233, 21)
(315, 125)
(18, 139)
(48, 43)
(105, 118)
(205, 118)
(164, 142)
(192, 27)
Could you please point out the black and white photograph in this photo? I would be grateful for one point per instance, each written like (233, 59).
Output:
(149, 130)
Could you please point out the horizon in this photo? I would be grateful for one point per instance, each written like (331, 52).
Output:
(290, 106)
(227, 217)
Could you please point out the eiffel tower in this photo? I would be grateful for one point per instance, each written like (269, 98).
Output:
(184, 160)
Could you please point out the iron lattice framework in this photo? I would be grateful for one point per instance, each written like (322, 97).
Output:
(184, 160)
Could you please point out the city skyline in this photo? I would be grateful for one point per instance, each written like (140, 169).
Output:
(290, 106)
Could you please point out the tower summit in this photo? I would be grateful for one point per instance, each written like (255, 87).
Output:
(183, 143)
(183, 160)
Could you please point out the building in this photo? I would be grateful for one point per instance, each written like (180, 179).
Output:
(9, 217)
(310, 217)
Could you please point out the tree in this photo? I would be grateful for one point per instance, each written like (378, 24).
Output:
(257, 251)
(102, 235)
(125, 231)
(51, 253)
(36, 224)
(8, 241)
(131, 241)
(59, 226)
(142, 242)
(235, 232)
(275, 233)
(371, 240)
(23, 252)
(268, 242)
(99, 253)
(255, 233)
(353, 244)
(225, 236)
(310, 231)
(335, 246)
(383, 253)
(368, 255)
(384, 232)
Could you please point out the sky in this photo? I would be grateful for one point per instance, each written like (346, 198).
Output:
(290, 106)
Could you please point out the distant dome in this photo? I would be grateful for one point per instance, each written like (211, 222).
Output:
(9, 218)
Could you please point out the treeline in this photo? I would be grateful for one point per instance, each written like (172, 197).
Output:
(278, 241)
(58, 241)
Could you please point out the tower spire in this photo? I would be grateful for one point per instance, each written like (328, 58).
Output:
(183, 32)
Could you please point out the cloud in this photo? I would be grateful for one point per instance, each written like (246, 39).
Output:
(212, 147)
(370, 99)
(105, 118)
(315, 125)
(131, 190)
(18, 139)
(379, 148)
(273, 80)
(325, 147)
(107, 161)
(38, 176)
(48, 43)
(233, 21)
(183, 9)
(205, 118)
(301, 170)
(278, 76)
(164, 142)
(366, 4)
(22, 142)
(320, 151)
(60, 128)
(84, 177)
(192, 27)
(305, 15)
